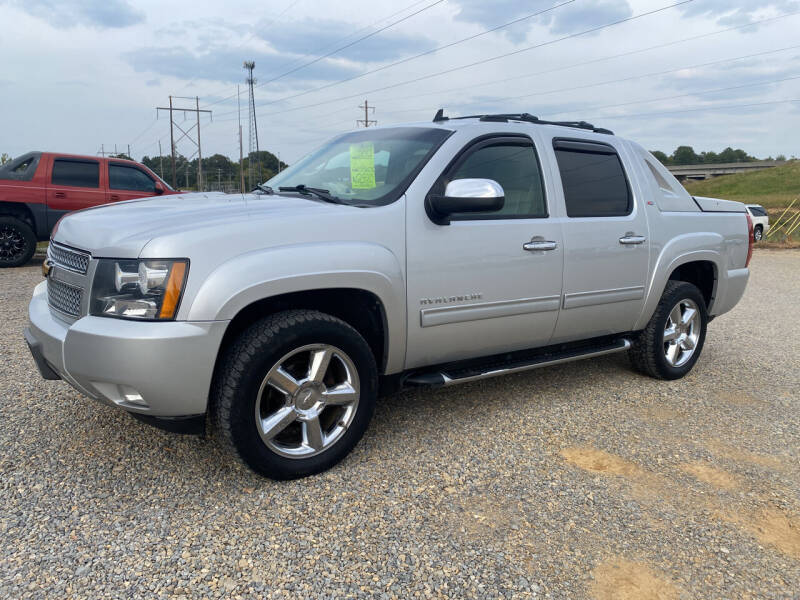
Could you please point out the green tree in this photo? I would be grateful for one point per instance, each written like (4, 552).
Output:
(121, 155)
(4, 158)
(662, 158)
(685, 155)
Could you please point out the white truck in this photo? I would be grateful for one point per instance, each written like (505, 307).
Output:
(428, 254)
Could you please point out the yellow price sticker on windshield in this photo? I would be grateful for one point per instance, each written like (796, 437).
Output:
(362, 166)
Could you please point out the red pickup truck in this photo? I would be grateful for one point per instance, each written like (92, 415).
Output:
(38, 188)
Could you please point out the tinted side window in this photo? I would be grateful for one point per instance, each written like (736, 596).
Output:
(594, 183)
(757, 211)
(129, 178)
(516, 168)
(76, 173)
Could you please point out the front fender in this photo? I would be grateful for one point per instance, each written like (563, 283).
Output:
(250, 277)
(690, 247)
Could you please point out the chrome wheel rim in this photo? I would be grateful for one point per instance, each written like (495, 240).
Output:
(307, 401)
(757, 235)
(681, 332)
(12, 243)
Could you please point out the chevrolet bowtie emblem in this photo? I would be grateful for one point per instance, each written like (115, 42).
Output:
(47, 266)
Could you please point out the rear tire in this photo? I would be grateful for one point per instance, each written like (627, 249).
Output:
(294, 393)
(758, 233)
(17, 242)
(672, 342)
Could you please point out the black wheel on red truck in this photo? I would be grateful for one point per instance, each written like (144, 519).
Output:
(17, 242)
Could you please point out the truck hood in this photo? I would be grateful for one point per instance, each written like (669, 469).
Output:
(122, 230)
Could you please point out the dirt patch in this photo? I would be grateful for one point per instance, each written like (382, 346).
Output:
(598, 461)
(621, 579)
(739, 398)
(661, 414)
(776, 528)
(737, 454)
(711, 475)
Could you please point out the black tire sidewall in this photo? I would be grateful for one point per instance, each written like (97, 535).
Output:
(30, 240)
(684, 291)
(260, 360)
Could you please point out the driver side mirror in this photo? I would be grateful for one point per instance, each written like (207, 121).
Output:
(466, 196)
(159, 188)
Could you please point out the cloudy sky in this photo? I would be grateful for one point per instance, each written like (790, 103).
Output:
(707, 73)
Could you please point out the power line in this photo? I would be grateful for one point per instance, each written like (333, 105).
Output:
(426, 53)
(475, 63)
(631, 78)
(348, 45)
(356, 32)
(695, 93)
(249, 36)
(593, 61)
(701, 109)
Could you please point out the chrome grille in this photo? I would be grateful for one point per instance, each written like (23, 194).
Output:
(68, 258)
(64, 298)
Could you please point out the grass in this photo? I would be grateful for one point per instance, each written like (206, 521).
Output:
(774, 189)
(771, 188)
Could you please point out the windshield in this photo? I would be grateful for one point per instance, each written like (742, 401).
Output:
(372, 166)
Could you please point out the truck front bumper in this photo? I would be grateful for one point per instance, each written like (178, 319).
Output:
(160, 369)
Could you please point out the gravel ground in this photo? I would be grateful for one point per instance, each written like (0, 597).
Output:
(578, 481)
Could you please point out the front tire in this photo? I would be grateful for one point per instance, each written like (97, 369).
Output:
(294, 393)
(17, 242)
(758, 233)
(671, 343)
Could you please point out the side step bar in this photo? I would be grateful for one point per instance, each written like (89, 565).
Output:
(454, 375)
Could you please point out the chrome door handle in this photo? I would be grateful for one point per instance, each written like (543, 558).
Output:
(632, 239)
(534, 246)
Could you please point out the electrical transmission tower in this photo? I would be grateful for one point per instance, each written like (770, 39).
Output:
(253, 173)
(186, 134)
(366, 120)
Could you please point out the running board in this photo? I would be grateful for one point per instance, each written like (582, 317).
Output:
(454, 375)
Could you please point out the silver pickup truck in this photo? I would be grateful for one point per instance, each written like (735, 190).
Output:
(428, 254)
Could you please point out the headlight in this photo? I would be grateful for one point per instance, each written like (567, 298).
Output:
(138, 289)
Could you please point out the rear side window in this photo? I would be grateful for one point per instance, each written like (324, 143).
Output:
(515, 166)
(22, 168)
(757, 211)
(123, 177)
(593, 179)
(76, 173)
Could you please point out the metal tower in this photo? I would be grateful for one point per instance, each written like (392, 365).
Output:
(253, 166)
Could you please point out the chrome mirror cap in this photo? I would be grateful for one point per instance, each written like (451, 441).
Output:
(474, 188)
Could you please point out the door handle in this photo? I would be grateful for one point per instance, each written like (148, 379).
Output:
(114, 197)
(534, 246)
(60, 195)
(629, 239)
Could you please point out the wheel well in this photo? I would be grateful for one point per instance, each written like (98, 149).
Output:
(701, 273)
(360, 309)
(20, 211)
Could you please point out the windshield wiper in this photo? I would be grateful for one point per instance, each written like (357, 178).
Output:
(307, 191)
(264, 188)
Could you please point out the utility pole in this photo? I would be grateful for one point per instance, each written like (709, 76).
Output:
(186, 134)
(199, 148)
(129, 152)
(249, 66)
(241, 157)
(366, 120)
(160, 159)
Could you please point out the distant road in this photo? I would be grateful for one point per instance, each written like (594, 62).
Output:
(707, 171)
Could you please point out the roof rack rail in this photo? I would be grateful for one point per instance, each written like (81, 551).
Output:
(524, 117)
